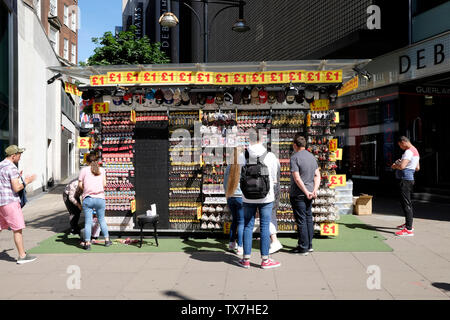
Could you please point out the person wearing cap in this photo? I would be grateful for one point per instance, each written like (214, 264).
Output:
(11, 184)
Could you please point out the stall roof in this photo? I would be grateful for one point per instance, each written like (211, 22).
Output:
(314, 65)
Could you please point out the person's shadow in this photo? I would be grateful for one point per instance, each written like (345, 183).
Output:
(6, 257)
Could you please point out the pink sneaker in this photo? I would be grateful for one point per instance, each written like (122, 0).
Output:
(403, 226)
(405, 233)
(269, 263)
(244, 263)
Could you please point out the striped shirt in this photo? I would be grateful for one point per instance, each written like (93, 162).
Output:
(8, 171)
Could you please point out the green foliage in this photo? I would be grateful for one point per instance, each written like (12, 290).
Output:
(124, 49)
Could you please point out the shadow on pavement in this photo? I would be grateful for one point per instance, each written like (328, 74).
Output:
(422, 210)
(371, 228)
(6, 257)
(74, 241)
(199, 245)
(57, 222)
(441, 285)
(175, 294)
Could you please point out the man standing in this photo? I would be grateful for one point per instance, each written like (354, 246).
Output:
(305, 181)
(11, 215)
(406, 167)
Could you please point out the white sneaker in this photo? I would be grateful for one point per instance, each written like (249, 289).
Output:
(239, 250)
(275, 246)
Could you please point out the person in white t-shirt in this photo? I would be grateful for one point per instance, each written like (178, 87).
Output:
(405, 169)
(264, 205)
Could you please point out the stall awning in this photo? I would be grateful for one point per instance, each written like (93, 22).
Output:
(84, 73)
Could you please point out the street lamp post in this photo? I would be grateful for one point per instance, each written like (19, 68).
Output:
(168, 19)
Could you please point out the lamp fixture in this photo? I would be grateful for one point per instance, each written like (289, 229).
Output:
(168, 19)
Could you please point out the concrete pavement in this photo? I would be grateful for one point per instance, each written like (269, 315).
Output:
(418, 268)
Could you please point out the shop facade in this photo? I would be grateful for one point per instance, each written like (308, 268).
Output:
(408, 94)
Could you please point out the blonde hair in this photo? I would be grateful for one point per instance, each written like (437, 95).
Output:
(235, 175)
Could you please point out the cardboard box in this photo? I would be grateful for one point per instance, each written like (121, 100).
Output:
(363, 205)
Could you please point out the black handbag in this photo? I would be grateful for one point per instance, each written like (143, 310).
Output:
(23, 194)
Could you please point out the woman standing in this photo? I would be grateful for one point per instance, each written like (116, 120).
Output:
(92, 181)
(234, 200)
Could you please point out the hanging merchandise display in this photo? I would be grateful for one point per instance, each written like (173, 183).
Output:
(166, 136)
(185, 178)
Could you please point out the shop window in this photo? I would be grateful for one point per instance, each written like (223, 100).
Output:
(66, 49)
(66, 15)
(53, 12)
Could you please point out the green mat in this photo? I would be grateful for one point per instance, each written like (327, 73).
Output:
(354, 236)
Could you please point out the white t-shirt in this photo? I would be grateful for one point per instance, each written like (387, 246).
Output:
(272, 164)
(413, 156)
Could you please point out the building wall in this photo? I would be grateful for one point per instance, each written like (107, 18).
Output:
(66, 31)
(39, 104)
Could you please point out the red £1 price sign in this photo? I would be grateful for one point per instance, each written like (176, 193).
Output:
(84, 142)
(337, 180)
(329, 229)
(100, 107)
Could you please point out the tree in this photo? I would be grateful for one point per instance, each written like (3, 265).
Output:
(126, 48)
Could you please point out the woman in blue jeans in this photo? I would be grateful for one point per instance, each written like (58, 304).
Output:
(92, 180)
(234, 200)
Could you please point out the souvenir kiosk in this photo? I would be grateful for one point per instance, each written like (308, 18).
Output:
(166, 132)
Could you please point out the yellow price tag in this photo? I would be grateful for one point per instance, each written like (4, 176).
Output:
(336, 120)
(320, 105)
(84, 143)
(338, 154)
(98, 80)
(199, 213)
(227, 227)
(100, 107)
(337, 180)
(333, 145)
(204, 78)
(329, 229)
(133, 206)
(332, 156)
(131, 77)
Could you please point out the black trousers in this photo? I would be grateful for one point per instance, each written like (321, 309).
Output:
(74, 214)
(302, 208)
(406, 188)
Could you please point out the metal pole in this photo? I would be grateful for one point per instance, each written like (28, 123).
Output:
(205, 31)
(410, 23)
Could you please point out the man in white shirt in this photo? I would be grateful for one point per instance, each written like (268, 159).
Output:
(405, 169)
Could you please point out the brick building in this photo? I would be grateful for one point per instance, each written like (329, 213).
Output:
(59, 19)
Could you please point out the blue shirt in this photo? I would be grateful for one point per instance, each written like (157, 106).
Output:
(238, 191)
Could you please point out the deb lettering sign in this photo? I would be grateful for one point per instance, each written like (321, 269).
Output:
(422, 58)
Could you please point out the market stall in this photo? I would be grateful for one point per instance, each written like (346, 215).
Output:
(165, 134)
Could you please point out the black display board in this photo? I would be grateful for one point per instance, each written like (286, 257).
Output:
(151, 161)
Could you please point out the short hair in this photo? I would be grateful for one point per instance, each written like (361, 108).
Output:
(403, 139)
(255, 135)
(300, 140)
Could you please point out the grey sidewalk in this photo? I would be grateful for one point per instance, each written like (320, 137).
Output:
(418, 268)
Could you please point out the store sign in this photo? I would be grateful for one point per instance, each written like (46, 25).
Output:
(337, 180)
(349, 86)
(72, 89)
(84, 142)
(164, 32)
(216, 78)
(329, 229)
(139, 19)
(100, 107)
(432, 91)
